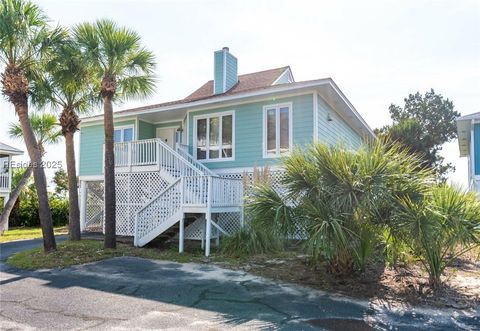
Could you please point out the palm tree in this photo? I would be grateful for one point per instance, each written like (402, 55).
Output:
(45, 129)
(67, 84)
(125, 69)
(25, 41)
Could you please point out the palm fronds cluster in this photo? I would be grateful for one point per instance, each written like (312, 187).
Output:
(354, 203)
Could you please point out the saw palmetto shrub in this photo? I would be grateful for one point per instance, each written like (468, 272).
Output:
(444, 225)
(343, 199)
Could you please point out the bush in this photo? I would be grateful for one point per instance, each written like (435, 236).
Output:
(250, 241)
(440, 228)
(25, 212)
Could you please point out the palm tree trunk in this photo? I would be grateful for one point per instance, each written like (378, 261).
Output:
(109, 173)
(44, 211)
(73, 209)
(13, 197)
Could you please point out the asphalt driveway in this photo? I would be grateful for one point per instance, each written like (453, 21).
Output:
(136, 294)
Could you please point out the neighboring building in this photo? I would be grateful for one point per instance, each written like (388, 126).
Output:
(6, 153)
(183, 163)
(468, 128)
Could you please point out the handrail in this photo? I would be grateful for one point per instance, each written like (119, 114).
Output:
(159, 195)
(152, 152)
(157, 212)
(182, 149)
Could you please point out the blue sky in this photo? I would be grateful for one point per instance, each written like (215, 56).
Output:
(377, 51)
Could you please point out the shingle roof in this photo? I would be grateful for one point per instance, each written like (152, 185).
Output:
(248, 82)
(469, 117)
(9, 149)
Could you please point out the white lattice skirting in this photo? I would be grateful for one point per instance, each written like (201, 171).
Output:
(134, 190)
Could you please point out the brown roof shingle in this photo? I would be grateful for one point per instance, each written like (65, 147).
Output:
(246, 82)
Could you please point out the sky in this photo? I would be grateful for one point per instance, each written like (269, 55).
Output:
(377, 52)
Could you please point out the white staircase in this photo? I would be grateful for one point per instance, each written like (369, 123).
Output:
(193, 187)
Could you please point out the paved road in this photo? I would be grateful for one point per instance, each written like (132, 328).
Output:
(136, 294)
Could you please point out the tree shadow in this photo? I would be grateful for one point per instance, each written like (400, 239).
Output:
(237, 297)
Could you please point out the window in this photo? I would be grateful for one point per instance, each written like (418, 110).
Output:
(123, 134)
(277, 130)
(214, 137)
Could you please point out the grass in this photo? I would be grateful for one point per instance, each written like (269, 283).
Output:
(78, 252)
(27, 233)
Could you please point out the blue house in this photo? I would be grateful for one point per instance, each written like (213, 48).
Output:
(181, 166)
(468, 128)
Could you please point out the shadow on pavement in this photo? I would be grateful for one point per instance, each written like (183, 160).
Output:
(237, 296)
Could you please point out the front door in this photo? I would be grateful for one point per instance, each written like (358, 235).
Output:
(167, 135)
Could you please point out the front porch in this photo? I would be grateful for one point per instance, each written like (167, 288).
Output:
(157, 187)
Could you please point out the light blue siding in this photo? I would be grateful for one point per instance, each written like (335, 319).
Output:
(248, 119)
(225, 71)
(249, 130)
(231, 71)
(218, 72)
(168, 124)
(335, 130)
(476, 148)
(91, 148)
(146, 130)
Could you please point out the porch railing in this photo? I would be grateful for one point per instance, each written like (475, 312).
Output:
(4, 182)
(183, 150)
(154, 152)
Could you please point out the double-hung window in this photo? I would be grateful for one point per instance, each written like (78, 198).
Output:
(214, 137)
(277, 130)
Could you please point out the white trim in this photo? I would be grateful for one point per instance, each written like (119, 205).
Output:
(10, 152)
(167, 127)
(257, 93)
(91, 178)
(83, 205)
(286, 72)
(277, 129)
(167, 122)
(122, 128)
(315, 115)
(472, 150)
(137, 131)
(194, 140)
(92, 121)
(236, 170)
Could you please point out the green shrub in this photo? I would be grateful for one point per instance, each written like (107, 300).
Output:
(440, 228)
(396, 251)
(25, 212)
(249, 241)
(59, 207)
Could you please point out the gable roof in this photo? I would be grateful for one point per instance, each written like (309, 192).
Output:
(9, 150)
(474, 116)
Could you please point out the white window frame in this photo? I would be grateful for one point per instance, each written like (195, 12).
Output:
(207, 117)
(122, 129)
(277, 129)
